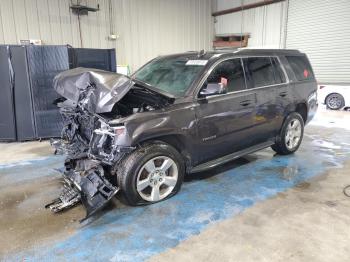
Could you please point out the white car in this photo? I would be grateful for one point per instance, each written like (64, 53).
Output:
(335, 97)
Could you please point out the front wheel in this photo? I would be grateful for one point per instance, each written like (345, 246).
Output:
(291, 135)
(150, 174)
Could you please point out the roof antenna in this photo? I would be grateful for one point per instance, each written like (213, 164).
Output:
(201, 53)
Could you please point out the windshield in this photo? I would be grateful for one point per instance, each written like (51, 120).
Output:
(172, 75)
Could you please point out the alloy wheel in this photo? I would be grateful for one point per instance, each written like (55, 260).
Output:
(157, 178)
(293, 134)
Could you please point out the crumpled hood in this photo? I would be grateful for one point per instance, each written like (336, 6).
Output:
(97, 90)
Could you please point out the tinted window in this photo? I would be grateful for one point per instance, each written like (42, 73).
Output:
(279, 74)
(172, 75)
(260, 71)
(230, 73)
(301, 67)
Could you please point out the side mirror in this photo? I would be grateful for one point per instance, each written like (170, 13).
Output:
(213, 89)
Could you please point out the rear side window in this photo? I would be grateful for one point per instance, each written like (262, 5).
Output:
(260, 71)
(301, 67)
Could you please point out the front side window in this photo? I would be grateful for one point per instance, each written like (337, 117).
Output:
(230, 74)
(259, 71)
(171, 75)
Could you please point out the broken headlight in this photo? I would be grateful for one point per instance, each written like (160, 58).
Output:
(103, 144)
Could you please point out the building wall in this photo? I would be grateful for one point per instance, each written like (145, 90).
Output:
(265, 25)
(322, 30)
(146, 28)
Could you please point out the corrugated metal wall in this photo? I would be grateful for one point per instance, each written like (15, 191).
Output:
(322, 30)
(146, 28)
(266, 24)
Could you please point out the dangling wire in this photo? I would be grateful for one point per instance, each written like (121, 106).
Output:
(79, 26)
(242, 16)
(286, 25)
(281, 25)
(111, 25)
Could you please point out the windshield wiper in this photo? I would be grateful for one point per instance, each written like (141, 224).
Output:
(152, 88)
(142, 83)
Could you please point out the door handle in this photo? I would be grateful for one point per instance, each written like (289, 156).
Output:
(283, 94)
(245, 103)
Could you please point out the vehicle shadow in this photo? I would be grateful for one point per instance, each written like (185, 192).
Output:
(120, 203)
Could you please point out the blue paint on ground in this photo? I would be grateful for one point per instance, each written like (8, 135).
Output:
(137, 233)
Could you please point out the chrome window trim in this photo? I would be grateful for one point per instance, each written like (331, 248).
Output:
(241, 91)
(201, 82)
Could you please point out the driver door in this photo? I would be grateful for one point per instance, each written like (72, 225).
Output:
(224, 120)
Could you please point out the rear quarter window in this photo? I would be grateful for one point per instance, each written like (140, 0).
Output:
(301, 67)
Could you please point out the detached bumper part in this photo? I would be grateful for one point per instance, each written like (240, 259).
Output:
(69, 197)
(96, 191)
(90, 187)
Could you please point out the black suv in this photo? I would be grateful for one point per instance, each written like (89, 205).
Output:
(178, 114)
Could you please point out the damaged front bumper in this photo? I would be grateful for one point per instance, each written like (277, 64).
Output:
(90, 187)
(92, 146)
(92, 149)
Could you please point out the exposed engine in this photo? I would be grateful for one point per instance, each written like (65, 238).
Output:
(88, 134)
(137, 100)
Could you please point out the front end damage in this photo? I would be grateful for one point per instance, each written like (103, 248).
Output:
(93, 146)
(85, 172)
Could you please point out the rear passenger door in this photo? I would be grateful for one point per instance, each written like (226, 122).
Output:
(284, 94)
(261, 79)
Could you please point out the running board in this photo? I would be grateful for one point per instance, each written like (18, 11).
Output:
(230, 157)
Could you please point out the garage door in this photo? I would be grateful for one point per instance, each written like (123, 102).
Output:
(322, 30)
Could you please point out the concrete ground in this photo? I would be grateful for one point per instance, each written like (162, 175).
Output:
(260, 207)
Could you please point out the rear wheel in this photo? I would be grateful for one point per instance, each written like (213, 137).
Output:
(335, 101)
(290, 136)
(150, 174)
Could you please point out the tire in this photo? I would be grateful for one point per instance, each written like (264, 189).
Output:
(285, 144)
(335, 101)
(130, 170)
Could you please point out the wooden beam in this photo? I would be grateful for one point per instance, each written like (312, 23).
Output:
(245, 7)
